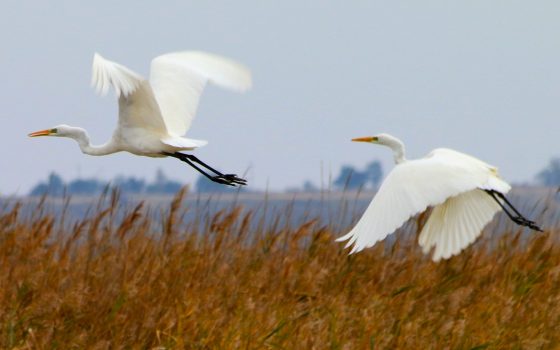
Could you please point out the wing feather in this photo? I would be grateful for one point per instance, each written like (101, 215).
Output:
(413, 186)
(179, 78)
(137, 105)
(462, 217)
(106, 74)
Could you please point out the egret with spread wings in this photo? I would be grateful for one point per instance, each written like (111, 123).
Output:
(464, 193)
(154, 115)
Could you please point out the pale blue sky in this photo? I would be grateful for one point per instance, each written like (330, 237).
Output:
(482, 77)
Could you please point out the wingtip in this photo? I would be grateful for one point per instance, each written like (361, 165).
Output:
(106, 74)
(344, 238)
(97, 57)
(248, 85)
(355, 249)
(244, 80)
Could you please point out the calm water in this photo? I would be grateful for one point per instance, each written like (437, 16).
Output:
(334, 209)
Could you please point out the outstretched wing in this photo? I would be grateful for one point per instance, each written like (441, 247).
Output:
(178, 80)
(137, 105)
(456, 223)
(413, 186)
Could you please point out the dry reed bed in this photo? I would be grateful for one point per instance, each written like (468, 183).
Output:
(120, 284)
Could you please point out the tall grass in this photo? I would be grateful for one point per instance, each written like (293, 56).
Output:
(124, 282)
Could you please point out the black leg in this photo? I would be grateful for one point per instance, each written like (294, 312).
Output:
(518, 218)
(230, 179)
(196, 160)
(529, 223)
(217, 179)
(501, 195)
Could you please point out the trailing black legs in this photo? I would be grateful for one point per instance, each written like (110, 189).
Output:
(516, 216)
(225, 179)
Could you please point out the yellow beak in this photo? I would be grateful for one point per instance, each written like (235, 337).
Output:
(365, 139)
(46, 132)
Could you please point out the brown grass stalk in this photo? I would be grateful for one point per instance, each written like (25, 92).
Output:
(124, 282)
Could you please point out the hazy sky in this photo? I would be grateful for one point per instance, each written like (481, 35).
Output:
(482, 77)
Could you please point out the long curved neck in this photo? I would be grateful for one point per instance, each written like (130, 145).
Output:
(398, 150)
(81, 136)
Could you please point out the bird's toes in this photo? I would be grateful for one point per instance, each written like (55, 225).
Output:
(230, 180)
(235, 178)
(222, 180)
(535, 227)
(528, 223)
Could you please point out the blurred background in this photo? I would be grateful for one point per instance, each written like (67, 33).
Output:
(480, 77)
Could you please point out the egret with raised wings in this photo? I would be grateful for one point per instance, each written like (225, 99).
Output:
(464, 193)
(154, 115)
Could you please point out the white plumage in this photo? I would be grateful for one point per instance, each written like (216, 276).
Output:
(456, 223)
(154, 115)
(178, 80)
(451, 182)
(167, 103)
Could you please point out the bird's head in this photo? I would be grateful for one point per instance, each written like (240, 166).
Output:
(380, 139)
(59, 130)
(79, 135)
(386, 140)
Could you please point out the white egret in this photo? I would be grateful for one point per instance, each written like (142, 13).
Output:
(155, 114)
(464, 193)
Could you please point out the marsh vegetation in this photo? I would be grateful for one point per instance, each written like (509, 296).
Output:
(116, 279)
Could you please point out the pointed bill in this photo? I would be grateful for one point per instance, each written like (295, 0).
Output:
(365, 139)
(45, 132)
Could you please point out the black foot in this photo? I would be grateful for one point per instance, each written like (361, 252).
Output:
(528, 223)
(229, 179)
(221, 180)
(519, 219)
(233, 178)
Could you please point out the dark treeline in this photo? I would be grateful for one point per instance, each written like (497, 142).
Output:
(55, 186)
(550, 176)
(348, 178)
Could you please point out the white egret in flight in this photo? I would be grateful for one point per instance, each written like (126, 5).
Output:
(464, 193)
(155, 114)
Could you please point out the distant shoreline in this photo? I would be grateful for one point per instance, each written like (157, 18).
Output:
(242, 196)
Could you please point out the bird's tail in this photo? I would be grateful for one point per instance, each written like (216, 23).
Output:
(182, 142)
